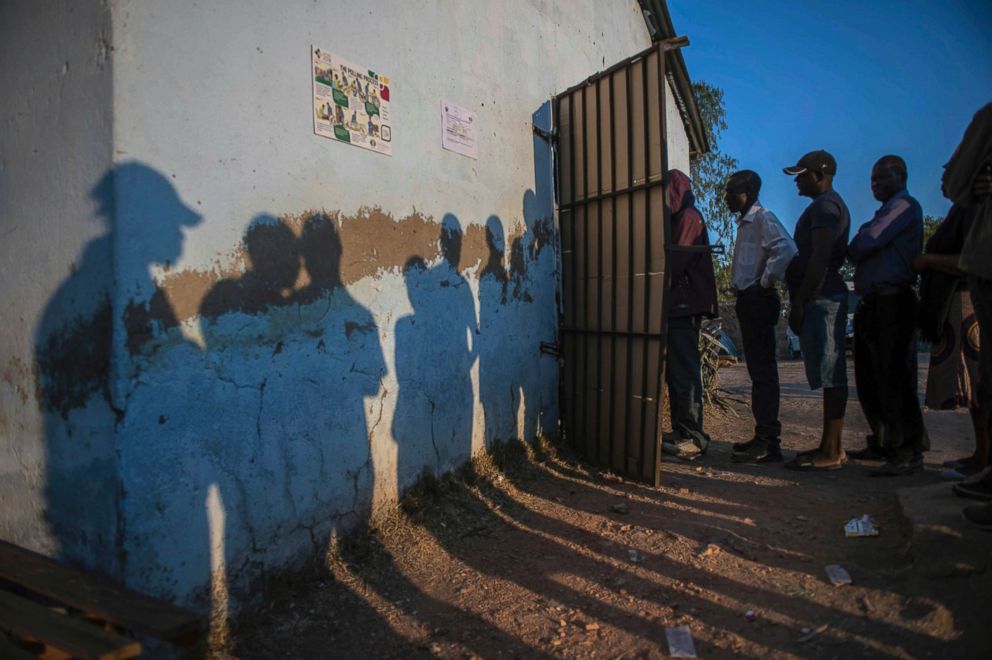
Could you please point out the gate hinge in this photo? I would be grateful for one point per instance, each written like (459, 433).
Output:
(550, 348)
(551, 136)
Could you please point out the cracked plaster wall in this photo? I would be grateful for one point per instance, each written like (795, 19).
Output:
(301, 328)
(56, 425)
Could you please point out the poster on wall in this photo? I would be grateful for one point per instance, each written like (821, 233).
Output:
(350, 103)
(458, 130)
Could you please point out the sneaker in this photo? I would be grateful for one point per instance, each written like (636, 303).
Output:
(951, 474)
(681, 449)
(760, 450)
(975, 490)
(960, 473)
(979, 476)
(979, 515)
(955, 463)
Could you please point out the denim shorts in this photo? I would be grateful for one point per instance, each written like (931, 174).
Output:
(822, 341)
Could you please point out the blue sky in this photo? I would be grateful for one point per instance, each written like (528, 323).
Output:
(859, 79)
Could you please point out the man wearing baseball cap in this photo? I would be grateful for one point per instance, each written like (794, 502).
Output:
(818, 298)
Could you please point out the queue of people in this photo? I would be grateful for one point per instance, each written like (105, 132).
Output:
(900, 289)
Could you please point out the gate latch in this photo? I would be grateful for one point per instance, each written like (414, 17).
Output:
(551, 136)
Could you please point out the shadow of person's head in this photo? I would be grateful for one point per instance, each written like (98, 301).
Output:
(320, 247)
(273, 252)
(451, 240)
(143, 207)
(495, 238)
(496, 242)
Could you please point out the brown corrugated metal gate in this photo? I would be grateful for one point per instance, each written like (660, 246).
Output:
(613, 218)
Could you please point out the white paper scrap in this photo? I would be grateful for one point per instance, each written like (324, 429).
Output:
(680, 644)
(863, 526)
(838, 575)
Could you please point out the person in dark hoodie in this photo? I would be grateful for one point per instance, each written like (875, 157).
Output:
(691, 297)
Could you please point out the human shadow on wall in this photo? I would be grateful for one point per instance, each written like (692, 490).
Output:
(74, 344)
(518, 311)
(495, 341)
(436, 346)
(274, 266)
(534, 261)
(531, 265)
(139, 413)
(304, 360)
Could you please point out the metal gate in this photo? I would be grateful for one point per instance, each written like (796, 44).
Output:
(613, 218)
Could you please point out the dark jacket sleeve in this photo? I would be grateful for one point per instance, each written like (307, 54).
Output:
(693, 283)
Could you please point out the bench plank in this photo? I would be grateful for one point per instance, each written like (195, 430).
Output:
(11, 651)
(96, 595)
(78, 638)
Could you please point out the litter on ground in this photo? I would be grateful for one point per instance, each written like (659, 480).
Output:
(863, 526)
(838, 575)
(680, 644)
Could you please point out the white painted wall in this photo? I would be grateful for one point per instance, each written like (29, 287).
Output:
(55, 274)
(222, 99)
(678, 141)
(247, 441)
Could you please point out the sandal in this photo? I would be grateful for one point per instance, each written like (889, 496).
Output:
(809, 453)
(804, 463)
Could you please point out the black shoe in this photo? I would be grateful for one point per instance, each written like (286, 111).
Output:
(739, 447)
(759, 451)
(977, 490)
(979, 515)
(869, 453)
(895, 467)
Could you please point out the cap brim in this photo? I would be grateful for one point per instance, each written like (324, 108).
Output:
(793, 171)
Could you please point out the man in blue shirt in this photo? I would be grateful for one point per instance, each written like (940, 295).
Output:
(885, 321)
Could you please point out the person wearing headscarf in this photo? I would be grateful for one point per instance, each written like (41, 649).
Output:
(690, 298)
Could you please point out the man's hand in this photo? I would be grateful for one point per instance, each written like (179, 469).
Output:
(796, 315)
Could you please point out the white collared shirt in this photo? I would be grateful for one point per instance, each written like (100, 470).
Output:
(762, 251)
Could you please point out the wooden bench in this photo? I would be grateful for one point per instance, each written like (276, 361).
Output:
(50, 610)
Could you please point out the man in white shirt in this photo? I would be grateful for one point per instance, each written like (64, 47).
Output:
(762, 252)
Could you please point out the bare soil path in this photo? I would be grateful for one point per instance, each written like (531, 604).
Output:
(534, 554)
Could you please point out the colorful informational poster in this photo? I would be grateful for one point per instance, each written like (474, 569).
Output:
(350, 103)
(458, 130)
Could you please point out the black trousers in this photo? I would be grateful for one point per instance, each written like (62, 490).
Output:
(885, 371)
(758, 312)
(684, 380)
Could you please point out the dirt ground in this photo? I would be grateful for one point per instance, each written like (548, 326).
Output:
(531, 553)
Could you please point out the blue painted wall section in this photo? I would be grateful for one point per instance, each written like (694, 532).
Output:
(270, 395)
